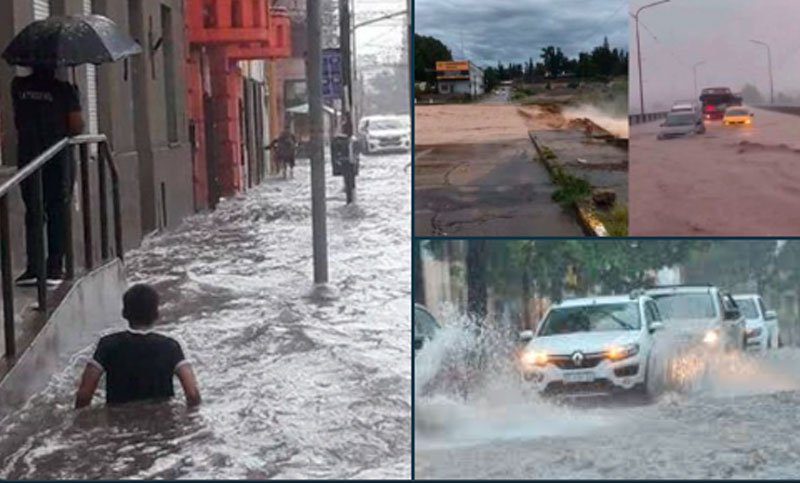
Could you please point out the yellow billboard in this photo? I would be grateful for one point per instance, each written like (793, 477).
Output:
(452, 65)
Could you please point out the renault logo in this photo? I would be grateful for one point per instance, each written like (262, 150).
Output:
(577, 358)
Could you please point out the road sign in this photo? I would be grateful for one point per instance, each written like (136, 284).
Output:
(332, 79)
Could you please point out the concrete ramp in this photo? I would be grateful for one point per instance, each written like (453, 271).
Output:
(93, 304)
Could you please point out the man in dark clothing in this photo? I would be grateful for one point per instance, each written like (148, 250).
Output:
(139, 363)
(285, 151)
(45, 111)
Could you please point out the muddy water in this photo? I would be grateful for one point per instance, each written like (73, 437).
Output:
(291, 388)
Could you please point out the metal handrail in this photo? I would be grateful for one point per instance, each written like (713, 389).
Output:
(34, 169)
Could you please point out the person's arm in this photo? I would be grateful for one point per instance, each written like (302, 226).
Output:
(75, 124)
(189, 384)
(89, 380)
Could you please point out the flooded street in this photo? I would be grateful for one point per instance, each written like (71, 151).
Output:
(291, 388)
(741, 423)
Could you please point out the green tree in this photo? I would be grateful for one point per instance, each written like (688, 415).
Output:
(427, 51)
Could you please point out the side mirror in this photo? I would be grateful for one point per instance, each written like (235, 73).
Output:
(526, 335)
(771, 314)
(656, 326)
(732, 314)
(417, 343)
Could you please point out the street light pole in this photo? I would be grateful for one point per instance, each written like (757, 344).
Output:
(314, 79)
(639, 50)
(769, 60)
(695, 75)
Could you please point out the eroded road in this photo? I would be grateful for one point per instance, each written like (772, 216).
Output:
(474, 174)
(731, 181)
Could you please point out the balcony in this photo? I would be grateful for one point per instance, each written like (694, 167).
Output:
(250, 28)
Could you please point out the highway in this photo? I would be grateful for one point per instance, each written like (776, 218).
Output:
(730, 181)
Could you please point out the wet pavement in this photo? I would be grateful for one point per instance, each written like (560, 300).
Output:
(291, 388)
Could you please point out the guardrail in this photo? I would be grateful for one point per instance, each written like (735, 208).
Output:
(34, 170)
(647, 117)
(793, 110)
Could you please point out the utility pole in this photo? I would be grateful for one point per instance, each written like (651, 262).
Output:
(344, 47)
(410, 47)
(314, 80)
(639, 50)
(769, 59)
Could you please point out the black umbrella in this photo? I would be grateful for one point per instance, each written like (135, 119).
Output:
(69, 41)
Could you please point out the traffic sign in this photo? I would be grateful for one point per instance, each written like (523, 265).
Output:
(332, 78)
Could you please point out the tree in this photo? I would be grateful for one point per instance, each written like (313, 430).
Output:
(477, 288)
(427, 51)
(553, 60)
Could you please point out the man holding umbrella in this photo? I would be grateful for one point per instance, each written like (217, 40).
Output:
(45, 111)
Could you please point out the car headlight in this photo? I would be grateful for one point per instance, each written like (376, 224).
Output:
(618, 353)
(755, 332)
(711, 337)
(534, 358)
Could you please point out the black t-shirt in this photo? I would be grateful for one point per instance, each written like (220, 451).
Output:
(41, 109)
(138, 365)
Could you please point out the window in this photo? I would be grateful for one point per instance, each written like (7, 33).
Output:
(236, 13)
(209, 15)
(256, 13)
(170, 96)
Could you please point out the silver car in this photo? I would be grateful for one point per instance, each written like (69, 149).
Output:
(680, 124)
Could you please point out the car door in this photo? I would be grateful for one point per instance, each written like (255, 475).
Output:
(771, 323)
(733, 320)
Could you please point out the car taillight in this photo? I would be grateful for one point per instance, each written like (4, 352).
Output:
(709, 107)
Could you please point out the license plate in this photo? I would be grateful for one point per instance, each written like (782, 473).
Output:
(585, 376)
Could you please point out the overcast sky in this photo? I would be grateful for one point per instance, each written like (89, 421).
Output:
(515, 30)
(678, 34)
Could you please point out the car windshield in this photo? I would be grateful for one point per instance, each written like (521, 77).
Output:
(748, 308)
(686, 305)
(385, 124)
(737, 112)
(592, 318)
(680, 120)
(424, 323)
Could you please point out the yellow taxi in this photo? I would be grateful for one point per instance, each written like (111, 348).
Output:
(737, 115)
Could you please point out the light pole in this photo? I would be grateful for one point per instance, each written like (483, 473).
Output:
(695, 75)
(769, 60)
(639, 49)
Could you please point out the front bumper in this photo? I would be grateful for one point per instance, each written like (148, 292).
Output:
(758, 342)
(379, 145)
(605, 378)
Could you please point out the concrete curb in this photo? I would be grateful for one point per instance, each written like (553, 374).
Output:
(586, 218)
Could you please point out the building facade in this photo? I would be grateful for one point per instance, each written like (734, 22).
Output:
(459, 77)
(230, 46)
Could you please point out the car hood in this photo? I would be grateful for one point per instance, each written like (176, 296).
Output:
(588, 342)
(754, 323)
(690, 325)
(683, 129)
(387, 132)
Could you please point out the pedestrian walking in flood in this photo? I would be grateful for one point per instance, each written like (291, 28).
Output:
(46, 110)
(285, 146)
(139, 363)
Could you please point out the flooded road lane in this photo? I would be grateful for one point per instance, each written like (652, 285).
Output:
(291, 388)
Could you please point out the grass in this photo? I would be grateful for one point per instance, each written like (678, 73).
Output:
(615, 220)
(571, 189)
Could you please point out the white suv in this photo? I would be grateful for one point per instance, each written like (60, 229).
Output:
(763, 330)
(701, 316)
(592, 346)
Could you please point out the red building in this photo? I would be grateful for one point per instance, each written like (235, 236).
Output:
(220, 34)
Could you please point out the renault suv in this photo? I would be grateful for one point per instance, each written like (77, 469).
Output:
(594, 346)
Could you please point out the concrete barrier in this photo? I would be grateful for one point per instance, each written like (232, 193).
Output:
(93, 304)
(647, 117)
(793, 110)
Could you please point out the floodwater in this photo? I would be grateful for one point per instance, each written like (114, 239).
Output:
(739, 422)
(291, 388)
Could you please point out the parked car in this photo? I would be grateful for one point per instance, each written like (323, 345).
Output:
(592, 346)
(763, 330)
(701, 316)
(737, 116)
(679, 124)
(384, 134)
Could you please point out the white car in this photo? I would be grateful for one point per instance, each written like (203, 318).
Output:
(701, 316)
(384, 133)
(763, 330)
(592, 346)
